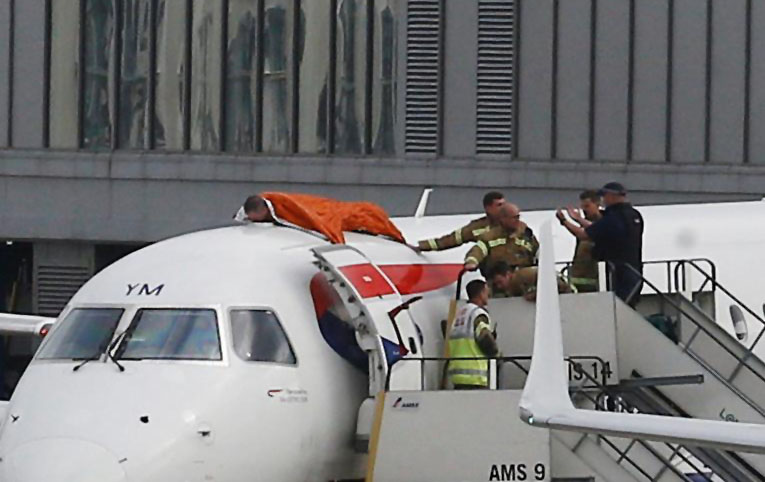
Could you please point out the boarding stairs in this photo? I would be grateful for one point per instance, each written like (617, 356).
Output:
(618, 361)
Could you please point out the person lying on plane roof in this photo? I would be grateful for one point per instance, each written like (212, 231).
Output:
(329, 217)
(509, 281)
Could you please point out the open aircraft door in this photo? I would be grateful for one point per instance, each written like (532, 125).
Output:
(384, 327)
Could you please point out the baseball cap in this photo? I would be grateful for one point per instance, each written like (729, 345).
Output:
(612, 187)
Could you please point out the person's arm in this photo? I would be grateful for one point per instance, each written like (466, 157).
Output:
(576, 215)
(572, 228)
(484, 337)
(458, 237)
(476, 254)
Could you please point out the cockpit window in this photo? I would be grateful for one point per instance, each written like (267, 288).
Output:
(172, 334)
(84, 333)
(259, 337)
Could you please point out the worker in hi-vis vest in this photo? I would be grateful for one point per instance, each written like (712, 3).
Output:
(472, 338)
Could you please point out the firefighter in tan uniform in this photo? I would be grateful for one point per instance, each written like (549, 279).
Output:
(509, 282)
(492, 202)
(512, 242)
(583, 273)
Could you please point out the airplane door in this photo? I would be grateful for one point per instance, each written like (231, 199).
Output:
(384, 331)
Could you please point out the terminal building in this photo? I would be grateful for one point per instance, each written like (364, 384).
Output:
(127, 121)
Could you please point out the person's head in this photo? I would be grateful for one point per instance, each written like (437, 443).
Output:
(478, 292)
(256, 209)
(492, 201)
(501, 275)
(613, 193)
(589, 203)
(509, 217)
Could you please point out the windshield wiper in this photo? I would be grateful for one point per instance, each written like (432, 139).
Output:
(89, 359)
(111, 348)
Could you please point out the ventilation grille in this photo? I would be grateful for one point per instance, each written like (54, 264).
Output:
(56, 285)
(494, 115)
(423, 67)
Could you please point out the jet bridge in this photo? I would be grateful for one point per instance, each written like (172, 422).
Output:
(618, 361)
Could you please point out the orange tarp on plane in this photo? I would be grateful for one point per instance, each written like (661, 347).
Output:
(331, 217)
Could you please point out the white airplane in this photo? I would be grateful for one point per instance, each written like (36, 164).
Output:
(240, 353)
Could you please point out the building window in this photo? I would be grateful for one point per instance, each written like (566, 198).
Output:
(135, 64)
(313, 51)
(277, 56)
(384, 74)
(242, 77)
(64, 74)
(271, 76)
(170, 76)
(98, 109)
(206, 69)
(350, 100)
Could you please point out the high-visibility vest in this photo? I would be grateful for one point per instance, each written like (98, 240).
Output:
(462, 344)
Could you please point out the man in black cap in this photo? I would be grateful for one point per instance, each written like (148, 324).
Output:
(618, 238)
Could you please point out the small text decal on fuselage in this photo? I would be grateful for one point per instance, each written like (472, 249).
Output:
(143, 289)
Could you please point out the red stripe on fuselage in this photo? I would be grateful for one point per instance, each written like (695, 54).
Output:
(407, 278)
(419, 278)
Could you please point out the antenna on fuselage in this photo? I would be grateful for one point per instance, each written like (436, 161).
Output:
(423, 204)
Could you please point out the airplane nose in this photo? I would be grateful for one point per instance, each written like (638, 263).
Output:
(60, 460)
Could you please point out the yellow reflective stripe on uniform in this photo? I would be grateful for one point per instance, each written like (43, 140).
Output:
(458, 236)
(471, 259)
(480, 231)
(484, 248)
(584, 281)
(433, 245)
(497, 242)
(468, 371)
(480, 327)
(524, 244)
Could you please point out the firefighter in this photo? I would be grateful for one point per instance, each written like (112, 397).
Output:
(492, 202)
(512, 242)
(509, 282)
(471, 339)
(583, 273)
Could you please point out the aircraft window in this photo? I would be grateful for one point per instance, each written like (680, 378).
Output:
(84, 333)
(172, 334)
(258, 336)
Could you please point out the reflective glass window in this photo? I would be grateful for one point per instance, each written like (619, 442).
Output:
(351, 72)
(258, 336)
(99, 69)
(313, 61)
(277, 55)
(84, 333)
(134, 88)
(172, 334)
(384, 76)
(64, 75)
(206, 67)
(170, 74)
(241, 76)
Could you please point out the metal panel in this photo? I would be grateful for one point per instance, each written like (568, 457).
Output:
(757, 83)
(650, 81)
(688, 81)
(496, 37)
(728, 81)
(459, 137)
(423, 78)
(60, 269)
(535, 79)
(612, 76)
(28, 73)
(5, 25)
(573, 79)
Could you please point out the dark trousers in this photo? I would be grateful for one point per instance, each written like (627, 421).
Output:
(625, 282)
(470, 387)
